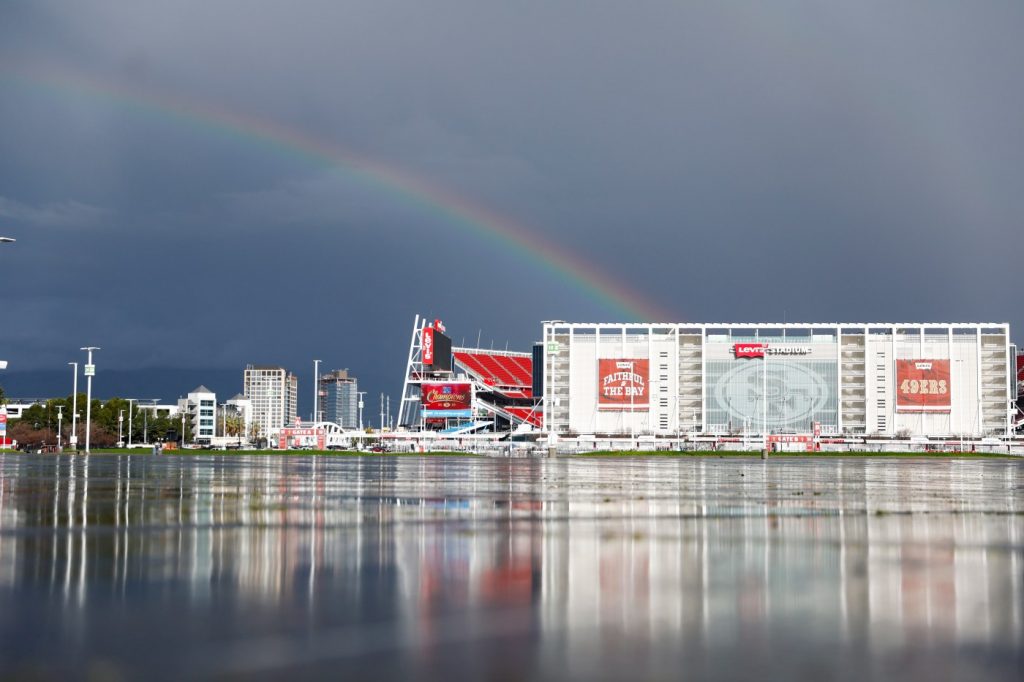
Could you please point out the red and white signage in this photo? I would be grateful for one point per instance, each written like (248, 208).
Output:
(444, 397)
(789, 441)
(622, 383)
(759, 350)
(3, 422)
(923, 386)
(298, 438)
(428, 345)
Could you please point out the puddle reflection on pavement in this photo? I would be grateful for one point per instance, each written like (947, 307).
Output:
(116, 567)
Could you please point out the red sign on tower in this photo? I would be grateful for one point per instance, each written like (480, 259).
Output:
(428, 346)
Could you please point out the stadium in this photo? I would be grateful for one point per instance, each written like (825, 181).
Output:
(790, 386)
(902, 380)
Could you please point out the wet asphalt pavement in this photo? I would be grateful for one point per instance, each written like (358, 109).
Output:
(242, 567)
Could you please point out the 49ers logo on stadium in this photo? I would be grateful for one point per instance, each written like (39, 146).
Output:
(759, 350)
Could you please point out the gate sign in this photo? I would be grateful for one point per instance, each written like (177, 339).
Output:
(923, 386)
(622, 383)
(299, 438)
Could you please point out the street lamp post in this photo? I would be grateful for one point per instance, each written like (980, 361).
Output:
(316, 390)
(360, 394)
(145, 418)
(120, 423)
(130, 411)
(60, 425)
(90, 370)
(74, 408)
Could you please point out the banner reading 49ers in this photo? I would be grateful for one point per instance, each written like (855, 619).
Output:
(622, 384)
(923, 386)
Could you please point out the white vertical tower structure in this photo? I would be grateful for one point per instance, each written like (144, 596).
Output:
(408, 410)
(887, 379)
(90, 371)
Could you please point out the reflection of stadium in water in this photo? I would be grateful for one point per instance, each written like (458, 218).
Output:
(583, 568)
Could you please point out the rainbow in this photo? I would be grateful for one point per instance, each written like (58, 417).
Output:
(454, 210)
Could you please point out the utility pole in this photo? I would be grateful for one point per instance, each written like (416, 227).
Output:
(316, 390)
(120, 423)
(145, 418)
(90, 371)
(360, 394)
(74, 408)
(60, 423)
(382, 413)
(130, 401)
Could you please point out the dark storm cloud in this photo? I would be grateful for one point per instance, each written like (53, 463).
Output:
(731, 160)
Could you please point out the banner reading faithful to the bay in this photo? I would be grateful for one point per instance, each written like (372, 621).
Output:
(622, 383)
(923, 385)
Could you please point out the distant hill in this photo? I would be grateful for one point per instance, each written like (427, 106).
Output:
(165, 383)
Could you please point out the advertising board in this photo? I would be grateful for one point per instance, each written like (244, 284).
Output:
(923, 385)
(622, 383)
(428, 346)
(302, 438)
(760, 350)
(446, 400)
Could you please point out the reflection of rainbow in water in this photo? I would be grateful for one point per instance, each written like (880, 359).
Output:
(456, 212)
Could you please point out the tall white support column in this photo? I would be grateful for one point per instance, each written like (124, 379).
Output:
(90, 370)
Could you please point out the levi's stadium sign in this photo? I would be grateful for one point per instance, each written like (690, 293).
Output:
(760, 350)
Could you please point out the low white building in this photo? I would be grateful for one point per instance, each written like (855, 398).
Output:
(201, 406)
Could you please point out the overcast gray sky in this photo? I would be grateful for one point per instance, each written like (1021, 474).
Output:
(728, 161)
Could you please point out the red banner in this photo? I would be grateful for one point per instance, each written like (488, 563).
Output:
(437, 397)
(622, 383)
(749, 350)
(923, 385)
(428, 346)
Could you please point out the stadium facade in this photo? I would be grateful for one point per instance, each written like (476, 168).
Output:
(934, 380)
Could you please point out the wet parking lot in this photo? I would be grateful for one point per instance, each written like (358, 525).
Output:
(123, 567)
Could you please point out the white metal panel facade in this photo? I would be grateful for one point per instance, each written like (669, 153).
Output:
(841, 377)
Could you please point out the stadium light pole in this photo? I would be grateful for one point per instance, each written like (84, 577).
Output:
(316, 390)
(90, 370)
(74, 407)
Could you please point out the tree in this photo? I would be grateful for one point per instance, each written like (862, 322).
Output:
(234, 425)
